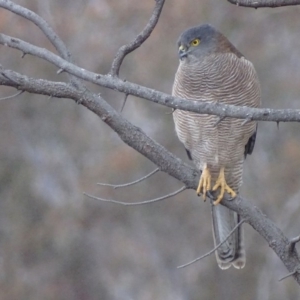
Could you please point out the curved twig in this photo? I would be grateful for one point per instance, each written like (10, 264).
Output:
(116, 186)
(297, 269)
(138, 203)
(215, 248)
(293, 243)
(124, 102)
(139, 40)
(12, 96)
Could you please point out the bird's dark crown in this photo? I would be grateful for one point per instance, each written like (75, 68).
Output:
(211, 40)
(203, 32)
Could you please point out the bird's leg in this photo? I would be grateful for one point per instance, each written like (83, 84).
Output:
(221, 182)
(204, 182)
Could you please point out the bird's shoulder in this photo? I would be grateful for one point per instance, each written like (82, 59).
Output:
(225, 63)
(228, 57)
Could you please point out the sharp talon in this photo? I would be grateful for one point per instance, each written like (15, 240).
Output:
(221, 182)
(219, 199)
(210, 194)
(204, 182)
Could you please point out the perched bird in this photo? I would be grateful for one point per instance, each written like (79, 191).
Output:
(211, 69)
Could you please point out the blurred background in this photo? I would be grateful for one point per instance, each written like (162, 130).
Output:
(56, 243)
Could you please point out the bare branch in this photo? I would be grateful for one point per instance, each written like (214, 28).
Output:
(215, 248)
(139, 203)
(12, 96)
(295, 240)
(267, 229)
(246, 121)
(293, 243)
(139, 40)
(124, 102)
(116, 186)
(289, 274)
(220, 119)
(264, 3)
(114, 83)
(130, 134)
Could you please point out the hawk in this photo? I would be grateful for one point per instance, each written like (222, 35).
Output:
(211, 69)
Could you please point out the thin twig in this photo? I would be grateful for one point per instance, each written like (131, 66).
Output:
(138, 203)
(289, 274)
(246, 121)
(214, 249)
(220, 119)
(170, 112)
(293, 243)
(295, 240)
(124, 102)
(12, 96)
(116, 186)
(139, 40)
(264, 3)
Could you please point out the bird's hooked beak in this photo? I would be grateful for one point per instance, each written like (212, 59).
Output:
(182, 51)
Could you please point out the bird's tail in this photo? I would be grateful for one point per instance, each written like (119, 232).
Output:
(232, 251)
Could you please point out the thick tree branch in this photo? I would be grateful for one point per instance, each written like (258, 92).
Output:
(139, 40)
(222, 110)
(268, 230)
(264, 3)
(130, 134)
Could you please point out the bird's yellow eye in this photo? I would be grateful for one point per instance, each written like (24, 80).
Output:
(195, 42)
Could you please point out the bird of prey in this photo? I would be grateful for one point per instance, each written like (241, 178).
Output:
(211, 69)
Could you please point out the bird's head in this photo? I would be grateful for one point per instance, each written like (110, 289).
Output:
(197, 42)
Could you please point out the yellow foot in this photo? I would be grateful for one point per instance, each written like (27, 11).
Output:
(221, 182)
(204, 182)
